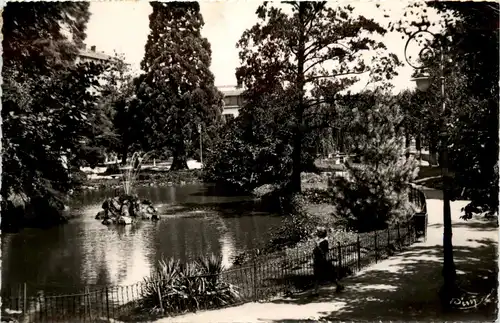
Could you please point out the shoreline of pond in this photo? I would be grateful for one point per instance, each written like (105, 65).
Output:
(145, 179)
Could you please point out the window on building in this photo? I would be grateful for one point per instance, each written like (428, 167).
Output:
(231, 100)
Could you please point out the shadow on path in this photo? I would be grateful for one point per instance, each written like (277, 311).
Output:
(406, 288)
(475, 225)
(402, 288)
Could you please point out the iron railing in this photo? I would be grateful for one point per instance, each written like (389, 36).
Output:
(284, 272)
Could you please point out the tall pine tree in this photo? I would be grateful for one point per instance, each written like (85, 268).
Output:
(177, 89)
(375, 192)
(313, 46)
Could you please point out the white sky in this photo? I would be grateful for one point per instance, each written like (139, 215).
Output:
(123, 26)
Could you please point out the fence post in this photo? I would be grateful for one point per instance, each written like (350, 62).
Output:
(376, 251)
(426, 224)
(107, 303)
(340, 255)
(358, 249)
(87, 292)
(24, 299)
(19, 298)
(254, 277)
(39, 299)
(285, 272)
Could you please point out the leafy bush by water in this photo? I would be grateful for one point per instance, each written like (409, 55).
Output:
(298, 225)
(318, 195)
(177, 288)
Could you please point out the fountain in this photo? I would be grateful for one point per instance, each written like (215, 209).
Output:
(127, 208)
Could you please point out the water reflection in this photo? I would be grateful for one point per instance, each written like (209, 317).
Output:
(227, 249)
(85, 252)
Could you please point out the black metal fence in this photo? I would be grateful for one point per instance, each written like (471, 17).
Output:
(285, 272)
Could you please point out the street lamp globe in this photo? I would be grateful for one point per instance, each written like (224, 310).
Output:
(423, 82)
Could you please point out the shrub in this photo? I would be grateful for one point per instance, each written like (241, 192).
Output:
(375, 193)
(112, 169)
(182, 175)
(318, 196)
(245, 166)
(177, 288)
(298, 225)
(255, 149)
(78, 177)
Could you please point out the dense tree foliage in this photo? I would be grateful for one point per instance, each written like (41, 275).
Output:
(176, 91)
(374, 193)
(123, 127)
(470, 47)
(295, 60)
(250, 151)
(47, 104)
(474, 134)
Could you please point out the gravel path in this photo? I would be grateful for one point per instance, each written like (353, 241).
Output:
(401, 288)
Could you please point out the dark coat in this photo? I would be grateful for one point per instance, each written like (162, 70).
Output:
(322, 266)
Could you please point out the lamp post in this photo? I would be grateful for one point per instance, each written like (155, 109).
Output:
(201, 147)
(426, 54)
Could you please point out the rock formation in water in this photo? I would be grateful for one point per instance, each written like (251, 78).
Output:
(126, 209)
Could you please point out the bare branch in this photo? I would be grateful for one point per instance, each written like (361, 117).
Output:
(327, 57)
(321, 47)
(316, 103)
(316, 63)
(312, 78)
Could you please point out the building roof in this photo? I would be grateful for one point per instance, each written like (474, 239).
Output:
(230, 90)
(232, 93)
(95, 55)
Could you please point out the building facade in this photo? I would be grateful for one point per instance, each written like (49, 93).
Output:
(233, 101)
(91, 55)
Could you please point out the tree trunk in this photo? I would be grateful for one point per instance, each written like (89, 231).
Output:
(295, 182)
(407, 145)
(418, 144)
(180, 160)
(124, 154)
(179, 163)
(341, 143)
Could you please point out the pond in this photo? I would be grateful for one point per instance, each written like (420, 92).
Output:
(85, 252)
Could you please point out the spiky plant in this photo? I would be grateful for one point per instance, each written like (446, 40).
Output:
(217, 292)
(177, 288)
(211, 265)
(191, 286)
(160, 286)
